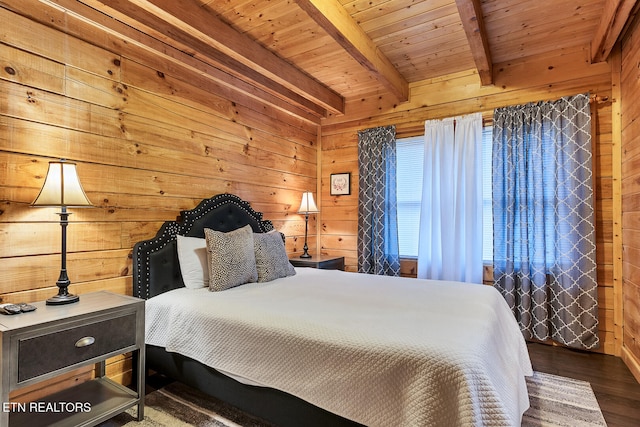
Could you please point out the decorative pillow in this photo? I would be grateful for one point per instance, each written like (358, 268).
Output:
(192, 256)
(231, 258)
(272, 261)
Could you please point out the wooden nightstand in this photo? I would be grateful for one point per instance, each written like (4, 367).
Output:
(55, 339)
(324, 262)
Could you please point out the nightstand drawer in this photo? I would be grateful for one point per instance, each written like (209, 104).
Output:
(47, 353)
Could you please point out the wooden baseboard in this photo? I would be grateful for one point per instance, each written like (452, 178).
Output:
(632, 362)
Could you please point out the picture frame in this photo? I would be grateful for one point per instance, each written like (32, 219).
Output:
(340, 184)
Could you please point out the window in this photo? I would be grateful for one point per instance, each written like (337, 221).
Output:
(487, 200)
(410, 155)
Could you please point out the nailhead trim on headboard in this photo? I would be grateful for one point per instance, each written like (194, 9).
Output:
(142, 251)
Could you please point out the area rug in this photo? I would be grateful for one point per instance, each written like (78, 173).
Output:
(560, 401)
(554, 402)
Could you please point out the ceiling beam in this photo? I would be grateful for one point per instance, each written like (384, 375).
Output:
(188, 19)
(151, 25)
(82, 17)
(473, 23)
(614, 17)
(337, 22)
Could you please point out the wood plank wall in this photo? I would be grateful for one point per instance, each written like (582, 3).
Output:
(526, 80)
(150, 139)
(630, 117)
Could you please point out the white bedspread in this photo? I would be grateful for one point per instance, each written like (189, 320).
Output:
(377, 350)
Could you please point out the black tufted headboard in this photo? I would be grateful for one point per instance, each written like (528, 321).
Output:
(155, 262)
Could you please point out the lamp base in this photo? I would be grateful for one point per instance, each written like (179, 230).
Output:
(63, 299)
(305, 255)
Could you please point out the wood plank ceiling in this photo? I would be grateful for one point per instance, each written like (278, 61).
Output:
(307, 56)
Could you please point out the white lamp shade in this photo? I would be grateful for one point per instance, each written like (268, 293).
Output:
(62, 187)
(308, 205)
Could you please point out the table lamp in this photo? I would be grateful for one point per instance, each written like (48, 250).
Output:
(307, 206)
(62, 189)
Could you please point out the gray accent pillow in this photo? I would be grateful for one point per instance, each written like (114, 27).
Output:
(231, 258)
(272, 261)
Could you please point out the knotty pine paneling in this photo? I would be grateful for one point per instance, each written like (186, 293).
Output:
(527, 80)
(150, 139)
(630, 127)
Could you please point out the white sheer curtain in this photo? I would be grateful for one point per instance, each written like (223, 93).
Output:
(450, 246)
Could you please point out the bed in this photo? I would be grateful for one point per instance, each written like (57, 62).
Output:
(319, 347)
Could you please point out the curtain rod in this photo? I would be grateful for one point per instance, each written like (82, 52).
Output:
(598, 99)
(487, 117)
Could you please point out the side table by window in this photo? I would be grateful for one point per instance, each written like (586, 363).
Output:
(325, 262)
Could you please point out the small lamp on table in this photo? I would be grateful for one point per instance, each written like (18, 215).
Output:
(307, 206)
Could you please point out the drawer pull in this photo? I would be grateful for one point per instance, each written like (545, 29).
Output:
(84, 342)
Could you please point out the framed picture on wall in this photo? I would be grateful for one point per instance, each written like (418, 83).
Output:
(340, 184)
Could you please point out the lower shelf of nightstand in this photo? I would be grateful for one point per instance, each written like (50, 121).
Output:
(105, 397)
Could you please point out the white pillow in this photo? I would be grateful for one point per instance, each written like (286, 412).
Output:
(192, 256)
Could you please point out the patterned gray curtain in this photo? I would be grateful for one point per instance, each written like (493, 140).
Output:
(377, 205)
(544, 236)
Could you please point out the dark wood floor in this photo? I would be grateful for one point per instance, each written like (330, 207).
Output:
(616, 389)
